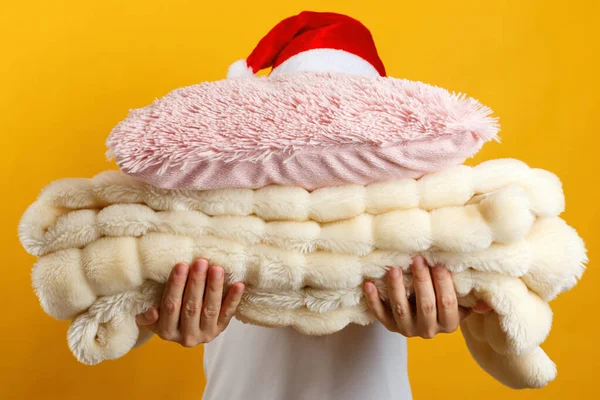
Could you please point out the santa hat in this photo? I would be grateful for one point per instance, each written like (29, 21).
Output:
(317, 42)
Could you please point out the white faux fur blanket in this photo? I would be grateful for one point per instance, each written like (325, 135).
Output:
(107, 244)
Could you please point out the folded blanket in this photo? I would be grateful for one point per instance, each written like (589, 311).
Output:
(306, 129)
(107, 244)
(107, 330)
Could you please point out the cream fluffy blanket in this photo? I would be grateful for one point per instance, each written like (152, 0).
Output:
(106, 246)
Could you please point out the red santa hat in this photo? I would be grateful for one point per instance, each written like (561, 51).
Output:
(317, 42)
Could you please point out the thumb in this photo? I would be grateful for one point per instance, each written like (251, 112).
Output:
(149, 318)
(481, 307)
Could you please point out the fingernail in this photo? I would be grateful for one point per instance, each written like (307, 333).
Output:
(481, 307)
(218, 273)
(369, 287)
(419, 261)
(394, 272)
(196, 267)
(180, 269)
(200, 266)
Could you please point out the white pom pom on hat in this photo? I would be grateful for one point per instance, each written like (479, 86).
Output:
(316, 42)
(239, 69)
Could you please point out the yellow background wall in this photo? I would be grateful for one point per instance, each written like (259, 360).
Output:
(70, 70)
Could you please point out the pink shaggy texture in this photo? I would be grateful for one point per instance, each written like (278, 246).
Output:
(302, 129)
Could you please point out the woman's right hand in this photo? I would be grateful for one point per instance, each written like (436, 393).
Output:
(193, 310)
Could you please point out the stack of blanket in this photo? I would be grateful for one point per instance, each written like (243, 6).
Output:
(304, 242)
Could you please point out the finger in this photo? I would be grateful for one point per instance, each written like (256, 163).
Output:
(447, 303)
(425, 294)
(481, 307)
(378, 308)
(399, 302)
(192, 300)
(148, 319)
(170, 307)
(230, 304)
(213, 297)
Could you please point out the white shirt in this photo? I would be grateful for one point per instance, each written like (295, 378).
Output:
(255, 363)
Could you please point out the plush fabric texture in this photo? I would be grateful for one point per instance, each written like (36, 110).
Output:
(306, 129)
(309, 30)
(107, 244)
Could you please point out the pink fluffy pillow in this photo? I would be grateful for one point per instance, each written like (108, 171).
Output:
(303, 129)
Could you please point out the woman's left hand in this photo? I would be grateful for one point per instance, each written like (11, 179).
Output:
(436, 308)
